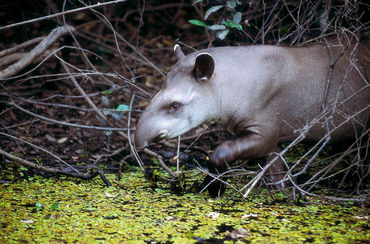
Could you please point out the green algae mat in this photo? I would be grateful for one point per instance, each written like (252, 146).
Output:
(40, 210)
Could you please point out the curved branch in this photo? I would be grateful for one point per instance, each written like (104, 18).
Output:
(36, 51)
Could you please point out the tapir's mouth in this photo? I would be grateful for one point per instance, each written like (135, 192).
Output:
(142, 144)
(160, 135)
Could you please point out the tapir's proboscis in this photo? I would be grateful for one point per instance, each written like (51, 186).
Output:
(263, 95)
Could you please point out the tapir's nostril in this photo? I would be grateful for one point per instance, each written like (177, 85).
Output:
(162, 134)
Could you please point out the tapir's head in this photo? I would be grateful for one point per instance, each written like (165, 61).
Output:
(184, 101)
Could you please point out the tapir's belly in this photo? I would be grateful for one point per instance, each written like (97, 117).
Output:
(343, 119)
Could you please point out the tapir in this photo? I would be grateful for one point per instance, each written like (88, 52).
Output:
(263, 95)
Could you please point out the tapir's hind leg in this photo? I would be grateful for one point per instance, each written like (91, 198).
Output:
(276, 172)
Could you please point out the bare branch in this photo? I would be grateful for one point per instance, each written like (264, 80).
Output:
(36, 52)
(61, 13)
(66, 123)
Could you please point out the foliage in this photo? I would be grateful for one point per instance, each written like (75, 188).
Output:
(223, 26)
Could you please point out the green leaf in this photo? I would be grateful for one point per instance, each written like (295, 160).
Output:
(198, 23)
(216, 27)
(212, 10)
(222, 34)
(38, 206)
(123, 107)
(237, 17)
(55, 206)
(107, 92)
(232, 24)
(155, 161)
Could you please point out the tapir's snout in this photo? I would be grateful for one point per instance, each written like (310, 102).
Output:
(139, 143)
(147, 131)
(142, 136)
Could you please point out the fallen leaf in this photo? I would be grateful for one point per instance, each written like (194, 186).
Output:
(50, 138)
(28, 221)
(213, 215)
(62, 140)
(108, 195)
(248, 216)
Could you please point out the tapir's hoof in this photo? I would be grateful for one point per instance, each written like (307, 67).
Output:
(216, 188)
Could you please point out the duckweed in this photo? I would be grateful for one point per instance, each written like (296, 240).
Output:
(45, 210)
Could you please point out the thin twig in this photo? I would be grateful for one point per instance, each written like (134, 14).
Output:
(27, 163)
(160, 160)
(178, 155)
(42, 149)
(61, 13)
(133, 149)
(66, 123)
(22, 45)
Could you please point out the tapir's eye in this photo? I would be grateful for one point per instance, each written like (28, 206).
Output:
(175, 106)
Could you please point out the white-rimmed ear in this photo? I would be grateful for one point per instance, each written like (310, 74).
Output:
(178, 52)
(204, 67)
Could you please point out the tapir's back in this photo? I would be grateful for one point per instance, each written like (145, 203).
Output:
(294, 85)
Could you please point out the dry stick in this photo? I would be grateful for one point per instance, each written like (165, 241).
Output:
(27, 163)
(102, 16)
(37, 66)
(335, 162)
(86, 60)
(140, 54)
(18, 125)
(292, 144)
(83, 93)
(20, 46)
(115, 34)
(334, 129)
(36, 52)
(61, 13)
(40, 148)
(219, 178)
(178, 155)
(178, 160)
(66, 123)
(257, 178)
(320, 141)
(12, 58)
(328, 168)
(104, 117)
(160, 160)
(360, 199)
(133, 150)
(114, 75)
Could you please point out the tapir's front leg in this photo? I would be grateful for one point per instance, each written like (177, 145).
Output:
(249, 146)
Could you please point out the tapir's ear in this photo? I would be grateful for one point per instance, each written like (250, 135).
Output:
(204, 67)
(178, 52)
